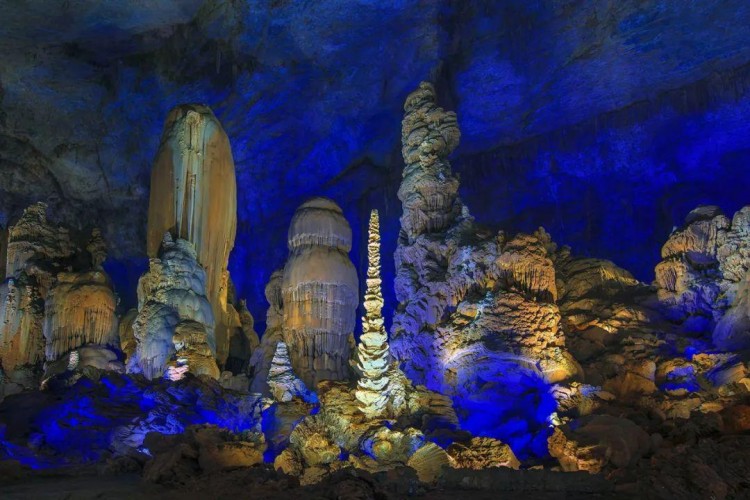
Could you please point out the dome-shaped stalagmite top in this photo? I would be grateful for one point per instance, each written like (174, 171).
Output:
(320, 222)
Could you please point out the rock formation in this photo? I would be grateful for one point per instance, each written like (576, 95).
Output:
(175, 321)
(373, 356)
(282, 382)
(194, 197)
(429, 190)
(55, 295)
(701, 275)
(80, 310)
(319, 292)
(260, 361)
(477, 311)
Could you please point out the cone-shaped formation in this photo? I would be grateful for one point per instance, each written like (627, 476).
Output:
(319, 292)
(194, 197)
(175, 322)
(373, 356)
(282, 382)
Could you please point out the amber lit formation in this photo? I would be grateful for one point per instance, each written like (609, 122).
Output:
(373, 356)
(194, 197)
(319, 291)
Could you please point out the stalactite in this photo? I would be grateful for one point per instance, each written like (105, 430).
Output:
(79, 310)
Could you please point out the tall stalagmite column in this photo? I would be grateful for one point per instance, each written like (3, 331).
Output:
(319, 292)
(429, 190)
(194, 197)
(373, 354)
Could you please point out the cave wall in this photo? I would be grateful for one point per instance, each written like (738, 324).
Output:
(604, 121)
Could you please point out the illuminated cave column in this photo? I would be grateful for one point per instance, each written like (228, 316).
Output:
(429, 190)
(373, 355)
(194, 197)
(319, 292)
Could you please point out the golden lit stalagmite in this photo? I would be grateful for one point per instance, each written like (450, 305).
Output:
(372, 352)
(319, 292)
(194, 197)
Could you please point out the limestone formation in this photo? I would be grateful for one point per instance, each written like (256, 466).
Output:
(429, 189)
(128, 343)
(482, 453)
(319, 292)
(194, 197)
(21, 320)
(598, 441)
(702, 274)
(55, 295)
(373, 358)
(37, 247)
(80, 310)
(282, 382)
(260, 361)
(477, 310)
(175, 321)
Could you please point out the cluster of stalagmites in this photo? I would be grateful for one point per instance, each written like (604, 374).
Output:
(703, 277)
(471, 301)
(642, 379)
(57, 306)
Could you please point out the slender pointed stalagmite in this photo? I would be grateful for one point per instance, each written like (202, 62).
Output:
(373, 354)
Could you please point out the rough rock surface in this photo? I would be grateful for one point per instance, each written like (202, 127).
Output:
(593, 442)
(373, 353)
(105, 415)
(482, 453)
(283, 384)
(701, 276)
(474, 307)
(56, 298)
(178, 459)
(319, 292)
(175, 320)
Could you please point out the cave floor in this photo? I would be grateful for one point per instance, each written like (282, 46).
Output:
(127, 486)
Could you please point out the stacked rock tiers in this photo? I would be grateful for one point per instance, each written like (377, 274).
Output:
(319, 292)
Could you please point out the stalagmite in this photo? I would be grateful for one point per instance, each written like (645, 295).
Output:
(194, 197)
(282, 382)
(429, 190)
(477, 317)
(260, 361)
(55, 293)
(21, 319)
(373, 357)
(319, 292)
(702, 277)
(175, 322)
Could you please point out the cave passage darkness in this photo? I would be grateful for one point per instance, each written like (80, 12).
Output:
(605, 122)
